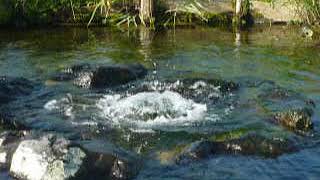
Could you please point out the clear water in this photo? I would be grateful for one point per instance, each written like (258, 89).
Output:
(157, 118)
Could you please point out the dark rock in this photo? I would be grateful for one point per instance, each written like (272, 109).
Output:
(106, 76)
(197, 151)
(9, 122)
(104, 166)
(90, 76)
(107, 162)
(249, 145)
(254, 144)
(206, 91)
(12, 87)
(224, 86)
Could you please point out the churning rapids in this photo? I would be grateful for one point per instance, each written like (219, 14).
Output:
(151, 105)
(151, 109)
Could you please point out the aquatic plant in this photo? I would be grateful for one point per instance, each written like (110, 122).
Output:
(103, 5)
(189, 9)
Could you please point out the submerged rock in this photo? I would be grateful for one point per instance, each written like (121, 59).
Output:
(198, 89)
(12, 87)
(222, 85)
(104, 161)
(249, 145)
(101, 165)
(8, 121)
(254, 144)
(285, 107)
(289, 109)
(46, 158)
(196, 151)
(90, 76)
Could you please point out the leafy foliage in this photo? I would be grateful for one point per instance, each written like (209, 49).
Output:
(39, 11)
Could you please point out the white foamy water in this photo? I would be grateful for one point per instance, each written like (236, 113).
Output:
(151, 110)
(63, 105)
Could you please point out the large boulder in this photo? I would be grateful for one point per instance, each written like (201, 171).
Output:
(46, 158)
(12, 87)
(53, 157)
(9, 141)
(91, 76)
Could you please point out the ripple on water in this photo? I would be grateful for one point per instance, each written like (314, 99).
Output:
(150, 110)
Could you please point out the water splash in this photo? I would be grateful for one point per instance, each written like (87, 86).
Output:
(151, 110)
(63, 105)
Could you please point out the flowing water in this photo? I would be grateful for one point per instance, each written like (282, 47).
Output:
(161, 111)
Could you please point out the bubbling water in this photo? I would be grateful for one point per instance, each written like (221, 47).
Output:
(151, 110)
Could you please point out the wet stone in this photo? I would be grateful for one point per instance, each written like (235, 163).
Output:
(104, 166)
(205, 90)
(198, 89)
(196, 151)
(46, 158)
(248, 145)
(254, 144)
(91, 76)
(9, 141)
(105, 161)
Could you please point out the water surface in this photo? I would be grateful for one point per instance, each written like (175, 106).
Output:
(158, 118)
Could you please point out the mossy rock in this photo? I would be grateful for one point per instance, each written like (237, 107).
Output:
(230, 135)
(168, 156)
(296, 120)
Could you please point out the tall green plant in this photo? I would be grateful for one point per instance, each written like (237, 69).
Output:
(103, 5)
(191, 8)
